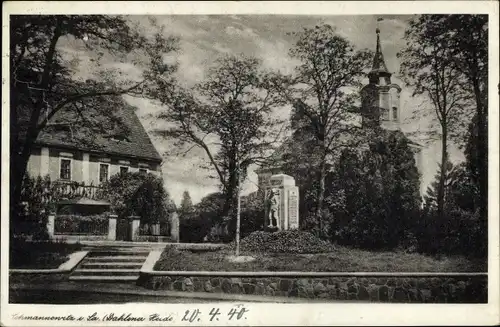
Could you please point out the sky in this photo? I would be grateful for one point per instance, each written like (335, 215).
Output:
(205, 38)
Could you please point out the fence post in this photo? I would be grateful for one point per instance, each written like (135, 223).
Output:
(51, 224)
(112, 227)
(174, 227)
(134, 230)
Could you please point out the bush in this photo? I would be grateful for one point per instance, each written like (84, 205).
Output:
(30, 216)
(252, 213)
(291, 241)
(459, 232)
(221, 232)
(195, 226)
(138, 194)
(194, 230)
(207, 223)
(76, 224)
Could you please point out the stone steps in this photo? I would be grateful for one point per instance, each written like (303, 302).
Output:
(103, 252)
(111, 264)
(116, 258)
(106, 272)
(116, 279)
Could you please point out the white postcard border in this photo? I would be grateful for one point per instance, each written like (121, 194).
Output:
(268, 313)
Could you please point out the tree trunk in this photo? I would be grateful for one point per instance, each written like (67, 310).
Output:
(19, 164)
(482, 146)
(238, 213)
(321, 196)
(229, 194)
(442, 176)
(21, 156)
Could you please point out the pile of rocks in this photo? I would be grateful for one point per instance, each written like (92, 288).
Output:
(290, 241)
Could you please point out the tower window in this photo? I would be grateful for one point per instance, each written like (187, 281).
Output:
(384, 113)
(394, 113)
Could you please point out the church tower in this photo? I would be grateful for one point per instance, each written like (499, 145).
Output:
(380, 104)
(380, 97)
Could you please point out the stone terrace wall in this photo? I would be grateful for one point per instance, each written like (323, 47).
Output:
(443, 289)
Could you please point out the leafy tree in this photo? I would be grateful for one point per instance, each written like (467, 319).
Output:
(322, 93)
(210, 206)
(468, 35)
(427, 66)
(206, 215)
(186, 209)
(252, 213)
(474, 164)
(431, 197)
(460, 230)
(375, 194)
(43, 81)
(301, 159)
(229, 116)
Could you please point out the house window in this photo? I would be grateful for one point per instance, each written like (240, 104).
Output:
(65, 169)
(103, 172)
(123, 170)
(143, 170)
(394, 113)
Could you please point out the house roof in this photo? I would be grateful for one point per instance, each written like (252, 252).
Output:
(115, 130)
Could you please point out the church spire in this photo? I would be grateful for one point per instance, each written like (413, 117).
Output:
(379, 69)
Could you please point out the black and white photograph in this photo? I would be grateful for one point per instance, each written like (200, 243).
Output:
(230, 159)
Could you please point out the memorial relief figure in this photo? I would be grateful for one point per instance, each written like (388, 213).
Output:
(273, 203)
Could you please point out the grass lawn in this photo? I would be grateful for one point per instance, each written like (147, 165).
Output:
(343, 259)
(40, 255)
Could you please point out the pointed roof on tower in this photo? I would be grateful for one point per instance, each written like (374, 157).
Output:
(379, 68)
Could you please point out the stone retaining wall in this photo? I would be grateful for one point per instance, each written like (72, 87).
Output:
(453, 289)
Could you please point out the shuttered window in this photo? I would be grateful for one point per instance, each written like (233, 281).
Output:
(65, 169)
(103, 172)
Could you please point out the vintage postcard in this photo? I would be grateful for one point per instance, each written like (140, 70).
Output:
(250, 163)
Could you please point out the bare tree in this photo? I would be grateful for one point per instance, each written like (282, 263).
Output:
(229, 116)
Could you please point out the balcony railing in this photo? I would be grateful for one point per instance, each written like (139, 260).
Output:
(71, 190)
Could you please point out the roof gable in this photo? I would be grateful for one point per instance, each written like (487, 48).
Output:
(108, 125)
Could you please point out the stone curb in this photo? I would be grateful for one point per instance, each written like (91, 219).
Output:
(150, 261)
(305, 274)
(74, 259)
